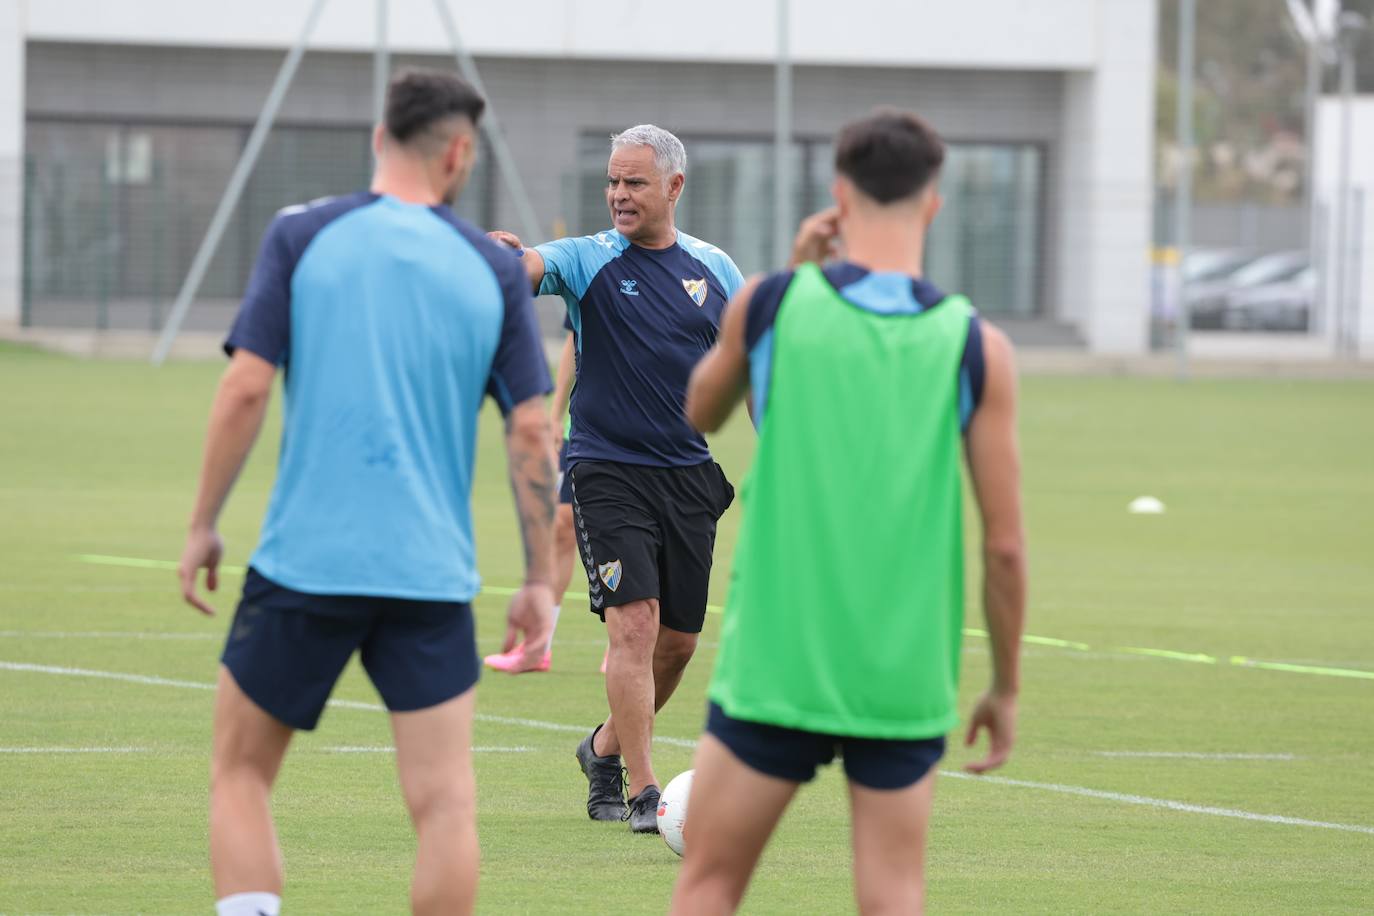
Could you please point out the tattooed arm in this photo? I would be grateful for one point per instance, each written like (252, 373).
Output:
(532, 483)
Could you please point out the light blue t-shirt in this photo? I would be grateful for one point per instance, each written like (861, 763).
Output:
(392, 321)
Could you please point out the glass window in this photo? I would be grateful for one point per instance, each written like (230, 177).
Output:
(985, 243)
(116, 211)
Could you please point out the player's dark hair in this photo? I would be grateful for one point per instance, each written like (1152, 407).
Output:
(418, 100)
(890, 154)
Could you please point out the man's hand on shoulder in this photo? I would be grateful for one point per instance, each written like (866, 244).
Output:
(533, 261)
(509, 239)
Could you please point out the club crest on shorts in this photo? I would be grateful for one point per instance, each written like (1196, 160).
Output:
(697, 290)
(610, 574)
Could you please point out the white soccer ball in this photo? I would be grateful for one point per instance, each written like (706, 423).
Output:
(672, 811)
(1145, 505)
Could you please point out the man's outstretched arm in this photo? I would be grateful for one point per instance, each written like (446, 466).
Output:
(235, 419)
(995, 466)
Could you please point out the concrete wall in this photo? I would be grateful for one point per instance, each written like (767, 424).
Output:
(1105, 176)
(1357, 258)
(11, 160)
(1073, 76)
(545, 105)
(1009, 34)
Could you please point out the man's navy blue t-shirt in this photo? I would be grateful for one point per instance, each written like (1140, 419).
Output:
(642, 319)
(393, 321)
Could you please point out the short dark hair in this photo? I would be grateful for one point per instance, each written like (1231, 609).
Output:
(890, 154)
(417, 100)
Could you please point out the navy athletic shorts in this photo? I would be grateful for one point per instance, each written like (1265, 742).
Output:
(649, 532)
(794, 755)
(286, 649)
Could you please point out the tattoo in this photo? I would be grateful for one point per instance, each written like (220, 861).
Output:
(532, 483)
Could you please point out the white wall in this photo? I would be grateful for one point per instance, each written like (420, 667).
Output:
(11, 159)
(1360, 251)
(1105, 184)
(1020, 34)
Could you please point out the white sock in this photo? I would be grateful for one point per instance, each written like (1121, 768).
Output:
(253, 904)
(554, 628)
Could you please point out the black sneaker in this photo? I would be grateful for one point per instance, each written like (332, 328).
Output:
(643, 816)
(605, 782)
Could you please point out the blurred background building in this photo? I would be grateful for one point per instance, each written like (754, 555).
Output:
(122, 123)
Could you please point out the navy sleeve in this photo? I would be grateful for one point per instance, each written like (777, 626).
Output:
(519, 370)
(763, 307)
(972, 373)
(263, 323)
(567, 322)
(974, 363)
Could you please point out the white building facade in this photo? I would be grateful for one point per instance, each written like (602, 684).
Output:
(122, 122)
(1346, 254)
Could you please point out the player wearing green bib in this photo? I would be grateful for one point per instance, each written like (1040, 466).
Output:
(843, 627)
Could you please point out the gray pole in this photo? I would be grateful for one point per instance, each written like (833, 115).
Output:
(1338, 297)
(234, 190)
(1183, 191)
(1314, 80)
(782, 141)
(504, 160)
(381, 65)
(1319, 318)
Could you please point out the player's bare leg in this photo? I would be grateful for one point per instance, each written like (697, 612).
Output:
(672, 652)
(633, 629)
(248, 749)
(890, 845)
(434, 762)
(565, 549)
(731, 812)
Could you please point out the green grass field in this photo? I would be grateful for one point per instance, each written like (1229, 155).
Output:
(1266, 552)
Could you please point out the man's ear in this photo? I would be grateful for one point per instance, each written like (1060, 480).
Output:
(933, 205)
(456, 153)
(378, 139)
(675, 185)
(843, 192)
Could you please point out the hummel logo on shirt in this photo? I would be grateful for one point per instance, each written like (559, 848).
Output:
(628, 287)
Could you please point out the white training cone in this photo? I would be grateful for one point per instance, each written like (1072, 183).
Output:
(1145, 505)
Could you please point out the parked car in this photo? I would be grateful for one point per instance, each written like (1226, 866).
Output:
(1284, 305)
(1209, 300)
(1203, 265)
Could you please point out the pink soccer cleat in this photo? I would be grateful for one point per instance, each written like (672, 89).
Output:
(511, 662)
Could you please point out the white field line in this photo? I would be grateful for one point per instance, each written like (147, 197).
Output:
(337, 704)
(1192, 755)
(102, 634)
(105, 675)
(349, 749)
(1161, 803)
(1123, 798)
(74, 750)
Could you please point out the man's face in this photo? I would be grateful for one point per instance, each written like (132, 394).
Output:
(639, 196)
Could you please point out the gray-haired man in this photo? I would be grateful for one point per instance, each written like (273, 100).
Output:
(645, 302)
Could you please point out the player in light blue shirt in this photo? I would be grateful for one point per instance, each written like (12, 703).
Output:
(391, 320)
